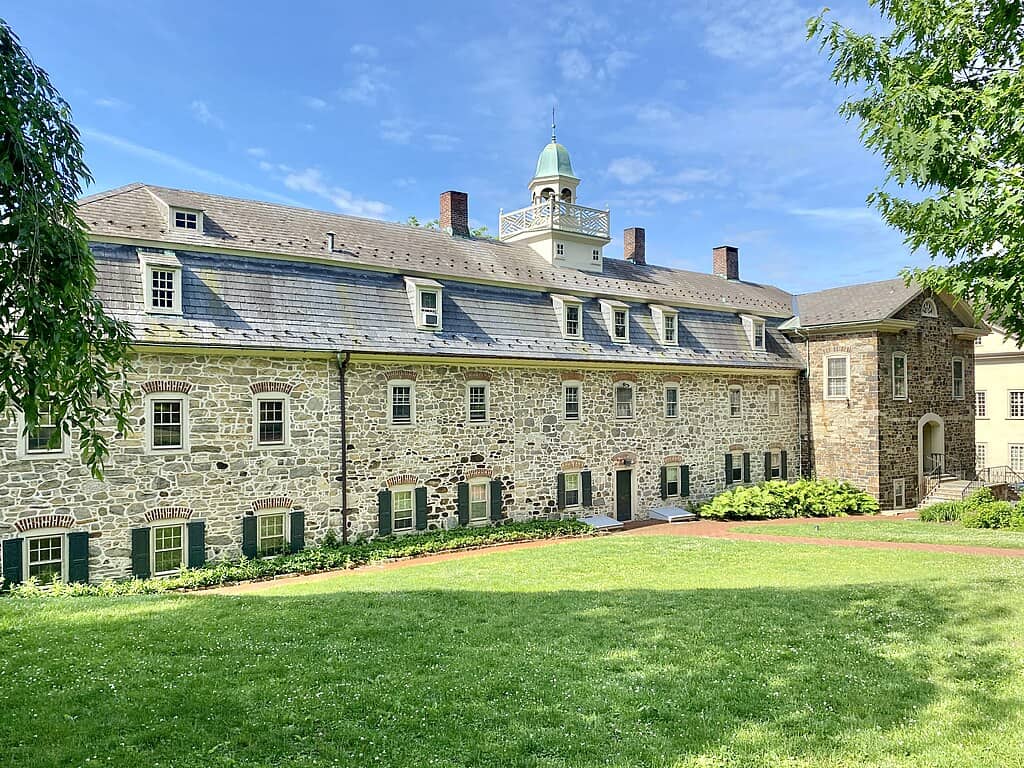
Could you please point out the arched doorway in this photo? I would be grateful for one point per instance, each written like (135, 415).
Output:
(931, 447)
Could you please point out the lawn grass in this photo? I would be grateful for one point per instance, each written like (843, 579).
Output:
(896, 530)
(615, 651)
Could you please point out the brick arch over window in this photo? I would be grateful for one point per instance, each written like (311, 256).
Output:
(478, 376)
(631, 377)
(624, 458)
(179, 387)
(39, 522)
(271, 502)
(402, 374)
(573, 464)
(168, 513)
(672, 379)
(475, 473)
(572, 375)
(259, 387)
(398, 480)
(737, 447)
(673, 459)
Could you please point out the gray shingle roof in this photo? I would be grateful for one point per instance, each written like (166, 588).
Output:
(136, 211)
(863, 303)
(276, 304)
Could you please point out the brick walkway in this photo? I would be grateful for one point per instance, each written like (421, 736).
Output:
(700, 529)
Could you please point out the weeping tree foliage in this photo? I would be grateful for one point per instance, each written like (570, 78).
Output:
(941, 98)
(61, 357)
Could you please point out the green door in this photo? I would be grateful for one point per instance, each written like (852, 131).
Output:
(623, 494)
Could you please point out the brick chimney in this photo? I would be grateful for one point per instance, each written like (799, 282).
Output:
(726, 262)
(634, 245)
(454, 217)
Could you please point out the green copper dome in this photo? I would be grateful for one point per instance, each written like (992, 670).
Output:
(554, 161)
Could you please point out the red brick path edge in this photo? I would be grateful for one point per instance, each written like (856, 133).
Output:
(711, 529)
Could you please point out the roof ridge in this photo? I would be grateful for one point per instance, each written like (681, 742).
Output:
(853, 285)
(103, 195)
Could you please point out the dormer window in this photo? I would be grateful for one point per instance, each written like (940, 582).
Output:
(666, 324)
(570, 315)
(756, 334)
(161, 283)
(616, 316)
(425, 299)
(188, 219)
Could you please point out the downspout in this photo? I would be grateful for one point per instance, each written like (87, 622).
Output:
(800, 399)
(342, 360)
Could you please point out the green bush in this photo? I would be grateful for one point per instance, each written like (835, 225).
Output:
(778, 499)
(328, 556)
(942, 512)
(979, 510)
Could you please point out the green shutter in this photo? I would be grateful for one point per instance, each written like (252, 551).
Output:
(78, 557)
(767, 465)
(785, 469)
(249, 543)
(664, 482)
(463, 500)
(728, 469)
(496, 491)
(12, 550)
(384, 512)
(140, 553)
(560, 490)
(296, 530)
(684, 480)
(586, 489)
(196, 543)
(421, 508)
(746, 467)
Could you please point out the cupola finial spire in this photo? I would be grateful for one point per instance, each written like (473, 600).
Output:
(552, 125)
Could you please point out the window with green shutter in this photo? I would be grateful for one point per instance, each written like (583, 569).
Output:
(13, 565)
(78, 557)
(462, 491)
(296, 530)
(586, 487)
(496, 500)
(684, 480)
(384, 512)
(140, 553)
(421, 509)
(196, 543)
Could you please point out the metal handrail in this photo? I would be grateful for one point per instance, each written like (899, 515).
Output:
(999, 475)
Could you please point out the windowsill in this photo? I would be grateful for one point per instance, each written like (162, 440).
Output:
(393, 425)
(167, 451)
(431, 328)
(843, 399)
(484, 423)
(44, 455)
(270, 446)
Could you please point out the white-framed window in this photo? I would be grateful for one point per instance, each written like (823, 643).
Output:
(479, 502)
(597, 254)
(737, 466)
(980, 456)
(403, 505)
(980, 404)
(774, 401)
(671, 401)
(756, 334)
(957, 365)
(185, 219)
(272, 533)
(624, 400)
(430, 308)
(167, 423)
(36, 442)
(425, 299)
(735, 401)
(560, 249)
(899, 375)
(837, 377)
(168, 548)
(1015, 454)
(620, 324)
(672, 487)
(270, 419)
(45, 558)
(478, 401)
(776, 466)
(669, 328)
(572, 489)
(666, 324)
(899, 493)
(572, 320)
(401, 403)
(572, 400)
(162, 285)
(928, 308)
(1016, 409)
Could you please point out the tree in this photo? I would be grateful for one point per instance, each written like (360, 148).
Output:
(412, 221)
(941, 98)
(60, 355)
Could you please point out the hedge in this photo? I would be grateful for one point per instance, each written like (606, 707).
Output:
(779, 498)
(327, 557)
(979, 510)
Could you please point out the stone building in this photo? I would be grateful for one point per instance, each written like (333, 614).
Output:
(297, 373)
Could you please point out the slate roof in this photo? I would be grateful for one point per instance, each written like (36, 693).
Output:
(862, 303)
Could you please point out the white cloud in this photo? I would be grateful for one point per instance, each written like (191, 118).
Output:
(315, 103)
(109, 102)
(311, 180)
(364, 51)
(396, 130)
(617, 60)
(367, 86)
(441, 142)
(630, 170)
(201, 112)
(256, 152)
(837, 215)
(405, 181)
(574, 64)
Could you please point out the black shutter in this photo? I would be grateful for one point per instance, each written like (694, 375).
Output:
(767, 465)
(12, 561)
(785, 469)
(664, 482)
(496, 491)
(250, 546)
(684, 480)
(78, 557)
(296, 530)
(728, 469)
(384, 512)
(560, 485)
(586, 489)
(196, 543)
(463, 503)
(746, 467)
(421, 508)
(140, 553)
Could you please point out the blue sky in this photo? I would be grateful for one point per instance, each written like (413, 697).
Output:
(707, 122)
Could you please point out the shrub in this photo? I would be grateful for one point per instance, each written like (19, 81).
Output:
(994, 514)
(779, 498)
(942, 512)
(328, 556)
